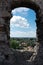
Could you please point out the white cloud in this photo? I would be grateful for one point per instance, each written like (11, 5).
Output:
(23, 34)
(22, 10)
(19, 21)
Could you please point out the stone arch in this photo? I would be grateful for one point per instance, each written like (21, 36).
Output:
(36, 8)
(5, 13)
(29, 4)
(32, 5)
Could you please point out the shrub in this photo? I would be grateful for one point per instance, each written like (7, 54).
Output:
(14, 44)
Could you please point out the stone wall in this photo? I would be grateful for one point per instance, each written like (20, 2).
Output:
(5, 14)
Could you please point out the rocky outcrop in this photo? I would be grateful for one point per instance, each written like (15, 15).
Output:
(13, 57)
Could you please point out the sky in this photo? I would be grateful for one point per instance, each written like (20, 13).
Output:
(22, 23)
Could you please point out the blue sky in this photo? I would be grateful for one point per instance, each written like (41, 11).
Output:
(22, 23)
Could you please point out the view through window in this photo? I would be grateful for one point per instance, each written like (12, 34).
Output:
(23, 29)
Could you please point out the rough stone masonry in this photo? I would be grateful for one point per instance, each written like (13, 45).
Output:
(7, 55)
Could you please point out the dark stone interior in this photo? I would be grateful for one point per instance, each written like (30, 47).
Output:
(6, 7)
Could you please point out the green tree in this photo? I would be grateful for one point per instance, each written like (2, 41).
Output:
(14, 44)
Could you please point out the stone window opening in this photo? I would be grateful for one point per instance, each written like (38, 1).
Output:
(35, 48)
(37, 10)
(37, 6)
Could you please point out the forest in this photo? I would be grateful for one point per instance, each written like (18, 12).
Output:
(20, 43)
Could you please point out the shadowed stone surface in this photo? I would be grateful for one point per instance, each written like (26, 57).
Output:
(7, 56)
